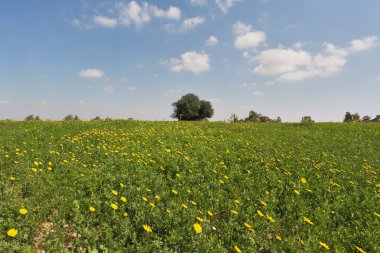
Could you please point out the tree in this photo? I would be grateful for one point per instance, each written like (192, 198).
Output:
(376, 119)
(307, 120)
(233, 118)
(253, 116)
(366, 119)
(30, 117)
(356, 117)
(189, 107)
(347, 117)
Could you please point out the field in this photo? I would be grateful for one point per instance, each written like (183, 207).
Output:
(130, 186)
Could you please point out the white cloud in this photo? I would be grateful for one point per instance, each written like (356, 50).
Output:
(131, 88)
(109, 89)
(198, 2)
(212, 41)
(377, 78)
(80, 103)
(362, 44)
(224, 5)
(3, 102)
(91, 73)
(192, 22)
(39, 103)
(105, 21)
(191, 61)
(249, 85)
(139, 14)
(258, 93)
(295, 64)
(246, 37)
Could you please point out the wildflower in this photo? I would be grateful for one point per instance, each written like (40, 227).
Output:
(197, 228)
(249, 227)
(193, 202)
(308, 221)
(324, 245)
(270, 218)
(125, 214)
(12, 178)
(115, 192)
(91, 209)
(167, 210)
(297, 192)
(210, 213)
(200, 219)
(236, 248)
(376, 214)
(152, 204)
(184, 206)
(122, 185)
(267, 192)
(147, 228)
(237, 201)
(158, 198)
(145, 199)
(123, 199)
(12, 232)
(278, 237)
(234, 212)
(114, 206)
(360, 249)
(260, 213)
(23, 211)
(303, 180)
(263, 203)
(174, 191)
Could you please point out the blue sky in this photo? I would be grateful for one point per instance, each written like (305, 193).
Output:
(135, 58)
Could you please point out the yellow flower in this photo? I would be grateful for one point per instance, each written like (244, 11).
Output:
(308, 221)
(197, 228)
(234, 212)
(115, 192)
(303, 180)
(158, 198)
(360, 249)
(12, 178)
(167, 210)
(200, 219)
(145, 199)
(260, 213)
(270, 218)
(12, 232)
(91, 209)
(193, 202)
(263, 203)
(114, 206)
(236, 248)
(376, 214)
(123, 199)
(297, 192)
(184, 206)
(152, 204)
(324, 245)
(125, 214)
(147, 228)
(210, 213)
(23, 211)
(122, 185)
(278, 237)
(174, 191)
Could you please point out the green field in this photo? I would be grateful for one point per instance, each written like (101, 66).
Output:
(130, 186)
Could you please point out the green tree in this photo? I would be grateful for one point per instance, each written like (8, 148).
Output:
(307, 120)
(347, 117)
(189, 107)
(366, 119)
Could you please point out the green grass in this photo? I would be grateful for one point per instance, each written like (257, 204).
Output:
(61, 169)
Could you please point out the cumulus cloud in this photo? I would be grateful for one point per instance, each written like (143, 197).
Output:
(246, 37)
(192, 22)
(295, 64)
(139, 14)
(224, 5)
(91, 73)
(109, 89)
(105, 21)
(362, 44)
(191, 61)
(212, 41)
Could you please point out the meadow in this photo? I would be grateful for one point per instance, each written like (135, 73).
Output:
(131, 186)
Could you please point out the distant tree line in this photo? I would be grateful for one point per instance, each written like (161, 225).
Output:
(356, 118)
(254, 117)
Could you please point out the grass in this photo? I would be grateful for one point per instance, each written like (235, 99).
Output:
(249, 187)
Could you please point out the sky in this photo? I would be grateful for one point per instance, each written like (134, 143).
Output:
(133, 59)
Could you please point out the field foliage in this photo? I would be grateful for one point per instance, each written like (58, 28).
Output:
(130, 186)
